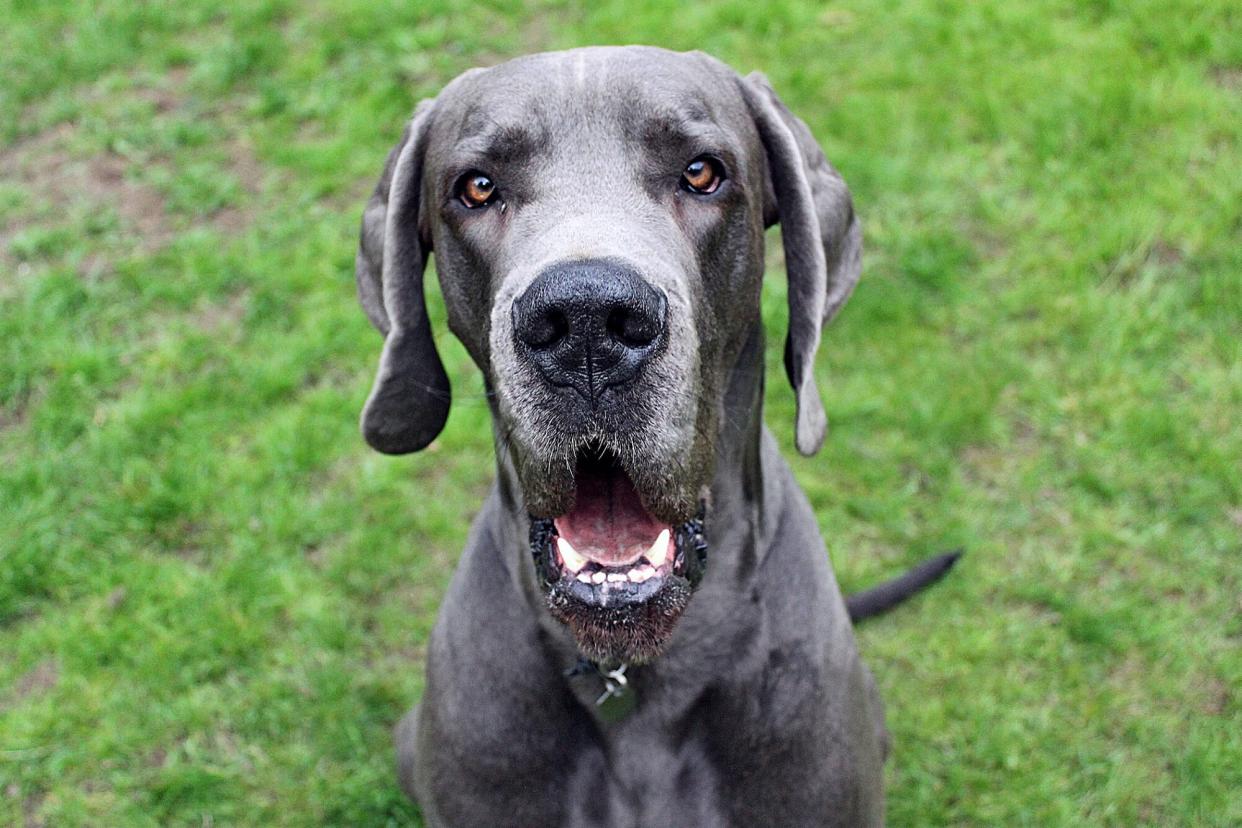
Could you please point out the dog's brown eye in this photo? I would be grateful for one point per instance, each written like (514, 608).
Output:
(702, 175)
(477, 190)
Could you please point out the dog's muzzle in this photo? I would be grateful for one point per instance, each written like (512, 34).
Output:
(611, 571)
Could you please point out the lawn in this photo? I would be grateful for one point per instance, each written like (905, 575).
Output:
(214, 599)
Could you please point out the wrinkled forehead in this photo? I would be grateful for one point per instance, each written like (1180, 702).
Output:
(634, 100)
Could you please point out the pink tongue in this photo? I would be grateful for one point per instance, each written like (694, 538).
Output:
(608, 523)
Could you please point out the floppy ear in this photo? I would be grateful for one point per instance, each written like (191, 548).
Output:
(410, 399)
(823, 244)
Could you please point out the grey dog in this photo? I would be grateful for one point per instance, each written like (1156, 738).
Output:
(644, 629)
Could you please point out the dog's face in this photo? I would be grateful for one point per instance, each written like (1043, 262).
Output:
(597, 218)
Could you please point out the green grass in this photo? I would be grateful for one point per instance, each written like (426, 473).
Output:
(214, 599)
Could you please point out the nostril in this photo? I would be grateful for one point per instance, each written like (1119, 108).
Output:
(616, 325)
(547, 329)
(629, 329)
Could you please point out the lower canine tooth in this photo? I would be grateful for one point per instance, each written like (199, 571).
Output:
(573, 561)
(585, 577)
(599, 577)
(658, 553)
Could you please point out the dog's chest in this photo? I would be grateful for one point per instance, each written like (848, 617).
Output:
(639, 776)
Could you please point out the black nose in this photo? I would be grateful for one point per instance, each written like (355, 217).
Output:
(589, 325)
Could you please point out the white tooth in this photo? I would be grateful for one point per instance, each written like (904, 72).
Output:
(646, 572)
(585, 577)
(573, 561)
(615, 576)
(599, 577)
(634, 575)
(658, 552)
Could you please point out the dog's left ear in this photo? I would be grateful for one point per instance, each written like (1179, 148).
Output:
(409, 402)
(823, 243)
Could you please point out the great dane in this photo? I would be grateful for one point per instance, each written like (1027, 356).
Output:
(644, 629)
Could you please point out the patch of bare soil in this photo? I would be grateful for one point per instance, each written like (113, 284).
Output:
(1216, 696)
(1159, 254)
(59, 181)
(1228, 77)
(32, 804)
(56, 180)
(41, 678)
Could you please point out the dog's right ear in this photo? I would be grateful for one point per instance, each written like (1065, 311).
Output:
(823, 244)
(409, 402)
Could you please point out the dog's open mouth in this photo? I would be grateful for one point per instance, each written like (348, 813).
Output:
(614, 573)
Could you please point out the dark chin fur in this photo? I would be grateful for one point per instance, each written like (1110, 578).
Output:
(627, 634)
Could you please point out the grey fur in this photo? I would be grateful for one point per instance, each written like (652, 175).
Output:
(823, 245)
(759, 711)
(410, 400)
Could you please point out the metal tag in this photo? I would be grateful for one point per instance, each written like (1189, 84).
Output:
(618, 699)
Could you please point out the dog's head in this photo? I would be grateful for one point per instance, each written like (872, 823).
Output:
(597, 218)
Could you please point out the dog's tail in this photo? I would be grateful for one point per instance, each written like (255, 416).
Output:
(882, 598)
